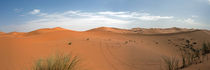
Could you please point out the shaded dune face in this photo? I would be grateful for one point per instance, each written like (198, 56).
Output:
(101, 48)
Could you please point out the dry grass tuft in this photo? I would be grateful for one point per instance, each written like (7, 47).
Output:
(171, 63)
(58, 62)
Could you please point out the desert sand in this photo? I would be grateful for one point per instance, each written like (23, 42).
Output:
(1, 32)
(103, 48)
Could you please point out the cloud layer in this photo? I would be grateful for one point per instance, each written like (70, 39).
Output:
(35, 11)
(209, 2)
(79, 20)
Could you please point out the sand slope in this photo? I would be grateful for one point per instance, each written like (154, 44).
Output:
(1, 32)
(100, 48)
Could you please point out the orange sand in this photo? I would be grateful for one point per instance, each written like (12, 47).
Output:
(100, 48)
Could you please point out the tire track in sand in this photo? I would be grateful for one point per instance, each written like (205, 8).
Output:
(105, 56)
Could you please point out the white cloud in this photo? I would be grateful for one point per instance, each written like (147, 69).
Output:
(35, 11)
(112, 13)
(194, 16)
(209, 1)
(190, 21)
(155, 18)
(79, 20)
(135, 15)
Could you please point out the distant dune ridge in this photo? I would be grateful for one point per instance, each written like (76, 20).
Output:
(46, 30)
(110, 29)
(1, 32)
(142, 30)
(102, 48)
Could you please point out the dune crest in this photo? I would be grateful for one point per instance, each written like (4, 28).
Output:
(160, 30)
(51, 29)
(109, 29)
(102, 29)
(142, 30)
(112, 29)
(46, 30)
(58, 28)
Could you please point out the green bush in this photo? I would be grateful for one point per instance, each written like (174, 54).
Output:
(58, 62)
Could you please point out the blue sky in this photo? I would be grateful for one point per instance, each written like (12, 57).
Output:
(28, 15)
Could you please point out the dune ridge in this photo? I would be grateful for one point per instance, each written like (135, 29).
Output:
(1, 32)
(114, 30)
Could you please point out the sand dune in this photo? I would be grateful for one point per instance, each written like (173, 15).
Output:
(143, 30)
(46, 30)
(101, 48)
(1, 32)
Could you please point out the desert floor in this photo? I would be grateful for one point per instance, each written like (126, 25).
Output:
(101, 48)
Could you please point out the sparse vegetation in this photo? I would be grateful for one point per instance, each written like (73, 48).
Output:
(189, 55)
(87, 39)
(69, 43)
(172, 63)
(130, 41)
(205, 49)
(156, 43)
(58, 62)
(126, 42)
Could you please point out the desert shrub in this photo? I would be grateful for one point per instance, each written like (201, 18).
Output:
(205, 48)
(189, 53)
(171, 63)
(58, 62)
(126, 42)
(69, 43)
(88, 39)
(188, 58)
